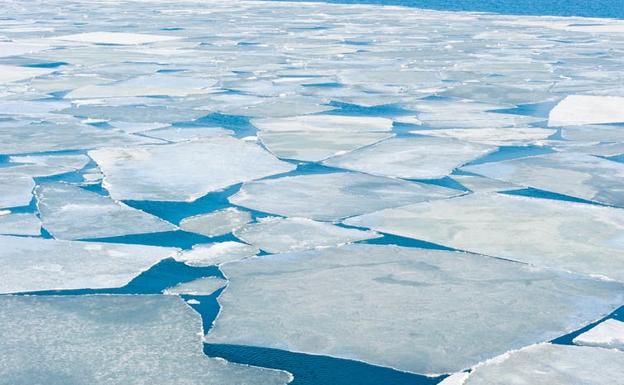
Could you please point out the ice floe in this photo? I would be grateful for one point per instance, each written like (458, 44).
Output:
(183, 171)
(278, 235)
(120, 38)
(558, 234)
(112, 340)
(608, 334)
(9, 73)
(587, 109)
(202, 286)
(330, 197)
(20, 224)
(32, 264)
(15, 190)
(45, 165)
(212, 254)
(512, 136)
(216, 223)
(434, 311)
(323, 123)
(71, 212)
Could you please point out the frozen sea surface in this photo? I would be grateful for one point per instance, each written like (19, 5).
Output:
(298, 181)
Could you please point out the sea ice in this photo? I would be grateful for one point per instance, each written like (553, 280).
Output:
(112, 340)
(432, 311)
(511, 136)
(587, 109)
(183, 171)
(118, 38)
(34, 264)
(202, 286)
(45, 165)
(17, 48)
(15, 190)
(324, 123)
(216, 223)
(330, 197)
(608, 334)
(20, 224)
(70, 212)
(476, 183)
(278, 235)
(572, 236)
(411, 158)
(213, 254)
(9, 73)
(575, 174)
(547, 364)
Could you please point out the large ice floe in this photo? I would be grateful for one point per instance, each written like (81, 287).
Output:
(35, 264)
(547, 364)
(432, 311)
(112, 340)
(183, 171)
(608, 334)
(558, 234)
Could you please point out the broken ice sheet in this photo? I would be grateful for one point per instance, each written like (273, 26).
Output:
(587, 109)
(179, 134)
(34, 264)
(213, 254)
(608, 334)
(324, 123)
(558, 234)
(547, 364)
(316, 146)
(45, 165)
(512, 136)
(20, 224)
(118, 38)
(574, 174)
(17, 48)
(420, 157)
(70, 212)
(216, 223)
(112, 340)
(278, 235)
(183, 171)
(10, 73)
(476, 183)
(15, 190)
(429, 322)
(202, 286)
(330, 197)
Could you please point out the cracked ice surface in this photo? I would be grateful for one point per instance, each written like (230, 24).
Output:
(472, 307)
(183, 171)
(547, 364)
(34, 264)
(608, 334)
(558, 234)
(112, 340)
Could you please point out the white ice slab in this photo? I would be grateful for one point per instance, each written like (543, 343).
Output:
(176, 134)
(213, 254)
(587, 109)
(183, 171)
(434, 311)
(70, 212)
(476, 183)
(15, 190)
(547, 364)
(202, 286)
(608, 334)
(411, 158)
(511, 136)
(316, 146)
(32, 264)
(20, 224)
(330, 197)
(575, 174)
(279, 235)
(112, 340)
(17, 48)
(46, 165)
(9, 73)
(216, 223)
(117, 38)
(455, 379)
(576, 237)
(321, 123)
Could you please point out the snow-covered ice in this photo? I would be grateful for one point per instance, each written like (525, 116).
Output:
(587, 109)
(20, 224)
(15, 190)
(325, 123)
(608, 334)
(119, 38)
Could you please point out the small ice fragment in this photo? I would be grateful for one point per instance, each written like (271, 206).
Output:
(216, 223)
(608, 334)
(202, 286)
(213, 254)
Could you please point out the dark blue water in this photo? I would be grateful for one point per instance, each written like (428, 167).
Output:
(586, 8)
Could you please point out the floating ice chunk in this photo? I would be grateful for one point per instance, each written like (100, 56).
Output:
(202, 286)
(177, 134)
(278, 235)
(558, 234)
(515, 136)
(578, 175)
(117, 38)
(15, 190)
(321, 123)
(70, 212)
(408, 120)
(547, 364)
(330, 197)
(411, 158)
(608, 334)
(427, 318)
(10, 73)
(183, 171)
(216, 223)
(476, 183)
(112, 340)
(33, 264)
(20, 224)
(316, 146)
(587, 109)
(213, 254)
(46, 165)
(474, 119)
(17, 48)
